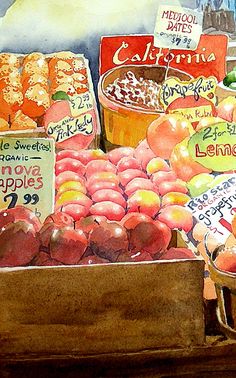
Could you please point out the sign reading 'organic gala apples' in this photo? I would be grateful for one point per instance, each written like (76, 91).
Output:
(27, 174)
(216, 207)
(214, 147)
(177, 27)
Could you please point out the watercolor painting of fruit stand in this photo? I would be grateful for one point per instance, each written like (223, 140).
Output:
(117, 191)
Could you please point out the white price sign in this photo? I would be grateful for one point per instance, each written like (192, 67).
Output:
(177, 27)
(216, 207)
(81, 104)
(27, 174)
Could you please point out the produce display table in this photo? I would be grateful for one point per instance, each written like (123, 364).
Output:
(216, 358)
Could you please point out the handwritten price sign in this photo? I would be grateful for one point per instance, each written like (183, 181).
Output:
(177, 27)
(216, 207)
(81, 104)
(215, 146)
(27, 174)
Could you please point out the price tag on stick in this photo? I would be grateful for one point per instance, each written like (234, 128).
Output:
(27, 174)
(177, 27)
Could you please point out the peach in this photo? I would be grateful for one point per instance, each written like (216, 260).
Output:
(172, 186)
(118, 153)
(139, 183)
(129, 174)
(166, 132)
(161, 176)
(128, 162)
(71, 185)
(95, 166)
(157, 164)
(109, 195)
(112, 211)
(73, 196)
(75, 210)
(225, 109)
(182, 163)
(176, 217)
(175, 198)
(144, 201)
(69, 164)
(65, 176)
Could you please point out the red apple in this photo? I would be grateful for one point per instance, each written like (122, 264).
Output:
(130, 220)
(60, 219)
(109, 240)
(91, 260)
(87, 224)
(177, 253)
(68, 245)
(44, 259)
(18, 244)
(19, 213)
(151, 237)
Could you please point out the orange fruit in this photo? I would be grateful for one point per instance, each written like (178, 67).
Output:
(56, 66)
(81, 78)
(36, 101)
(234, 225)
(35, 79)
(68, 88)
(11, 99)
(21, 121)
(31, 67)
(6, 69)
(78, 64)
(80, 87)
(183, 164)
(11, 59)
(166, 132)
(4, 126)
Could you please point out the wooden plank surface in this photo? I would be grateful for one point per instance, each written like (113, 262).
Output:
(99, 309)
(216, 359)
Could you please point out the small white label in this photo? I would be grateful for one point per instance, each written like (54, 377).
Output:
(216, 207)
(81, 104)
(177, 27)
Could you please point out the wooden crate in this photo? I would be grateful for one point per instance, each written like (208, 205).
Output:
(121, 307)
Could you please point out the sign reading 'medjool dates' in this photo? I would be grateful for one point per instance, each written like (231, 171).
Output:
(27, 174)
(177, 27)
(214, 147)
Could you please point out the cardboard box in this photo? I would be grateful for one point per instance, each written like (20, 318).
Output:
(120, 307)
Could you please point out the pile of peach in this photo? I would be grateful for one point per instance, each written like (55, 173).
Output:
(123, 181)
(28, 83)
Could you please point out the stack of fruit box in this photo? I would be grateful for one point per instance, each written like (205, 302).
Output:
(119, 307)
